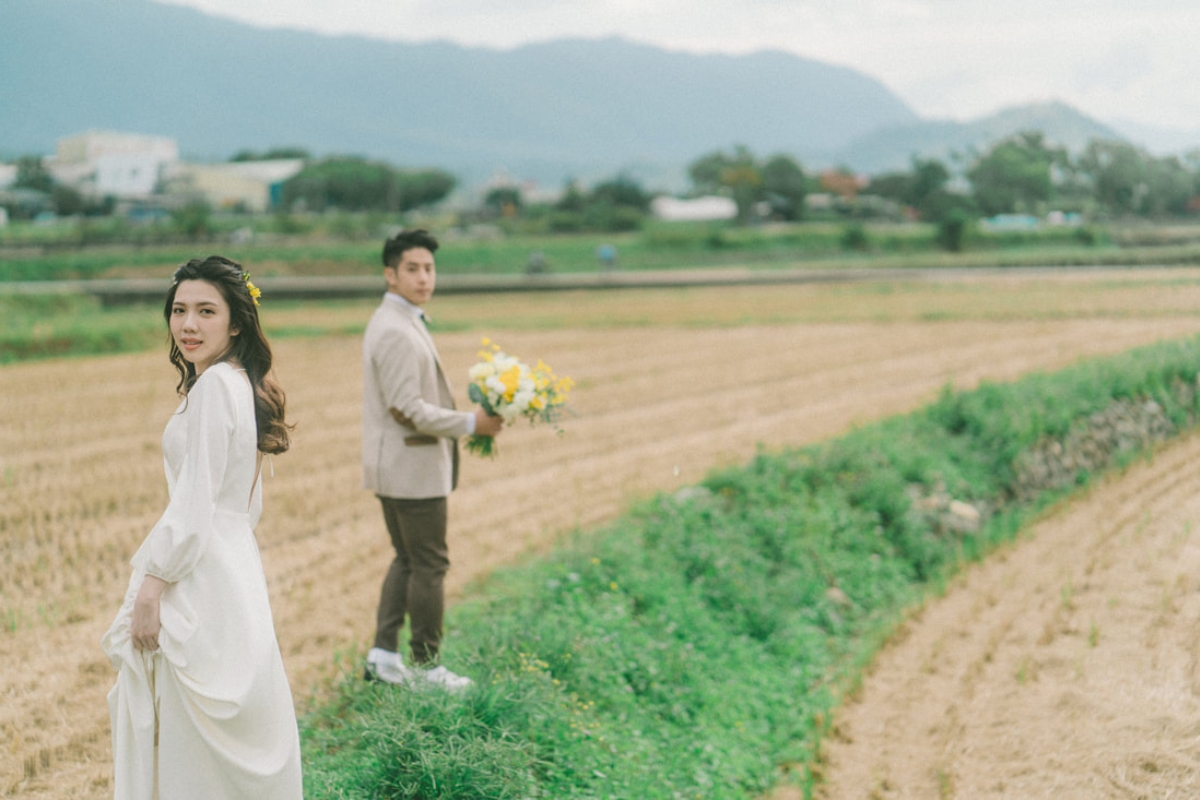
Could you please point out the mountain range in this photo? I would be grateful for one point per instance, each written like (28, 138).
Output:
(568, 108)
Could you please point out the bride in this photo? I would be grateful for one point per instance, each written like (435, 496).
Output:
(201, 707)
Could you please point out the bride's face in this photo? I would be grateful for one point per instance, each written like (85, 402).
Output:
(200, 323)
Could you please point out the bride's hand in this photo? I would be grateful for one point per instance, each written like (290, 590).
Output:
(144, 624)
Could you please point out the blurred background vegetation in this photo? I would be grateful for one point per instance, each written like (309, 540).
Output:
(1020, 190)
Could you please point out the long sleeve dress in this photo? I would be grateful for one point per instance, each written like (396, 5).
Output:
(209, 715)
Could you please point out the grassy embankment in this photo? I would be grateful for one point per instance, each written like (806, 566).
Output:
(695, 647)
(70, 324)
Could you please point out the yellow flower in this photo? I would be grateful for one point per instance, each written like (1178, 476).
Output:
(254, 291)
(562, 388)
(510, 378)
(508, 386)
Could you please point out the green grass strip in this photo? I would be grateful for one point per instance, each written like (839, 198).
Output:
(695, 647)
(71, 254)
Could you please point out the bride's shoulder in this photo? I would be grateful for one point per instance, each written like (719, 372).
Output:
(221, 379)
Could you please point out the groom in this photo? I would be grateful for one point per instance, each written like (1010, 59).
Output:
(410, 461)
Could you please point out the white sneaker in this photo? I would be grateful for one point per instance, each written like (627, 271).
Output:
(443, 678)
(383, 665)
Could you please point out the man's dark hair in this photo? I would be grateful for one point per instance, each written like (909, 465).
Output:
(394, 248)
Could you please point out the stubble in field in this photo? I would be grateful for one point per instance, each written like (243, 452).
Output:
(670, 384)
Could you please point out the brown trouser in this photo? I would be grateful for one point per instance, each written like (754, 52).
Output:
(413, 585)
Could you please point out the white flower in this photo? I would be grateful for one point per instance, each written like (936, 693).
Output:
(521, 400)
(510, 413)
(481, 371)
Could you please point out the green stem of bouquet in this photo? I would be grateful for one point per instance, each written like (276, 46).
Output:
(481, 445)
(477, 444)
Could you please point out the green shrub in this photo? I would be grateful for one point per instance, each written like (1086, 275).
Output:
(566, 222)
(854, 237)
(952, 231)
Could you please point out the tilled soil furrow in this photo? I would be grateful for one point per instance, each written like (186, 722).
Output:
(1080, 670)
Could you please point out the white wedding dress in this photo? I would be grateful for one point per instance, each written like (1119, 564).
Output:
(209, 715)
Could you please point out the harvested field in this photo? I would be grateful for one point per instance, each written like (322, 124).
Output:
(670, 384)
(1064, 667)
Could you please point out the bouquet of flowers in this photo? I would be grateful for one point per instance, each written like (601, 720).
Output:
(504, 385)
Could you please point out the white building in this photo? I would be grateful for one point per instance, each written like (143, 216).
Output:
(249, 185)
(697, 209)
(125, 165)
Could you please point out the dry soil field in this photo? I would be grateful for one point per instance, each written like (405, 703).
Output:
(1076, 643)
(1066, 667)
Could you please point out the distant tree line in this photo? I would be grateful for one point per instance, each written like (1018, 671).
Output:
(36, 189)
(617, 204)
(273, 154)
(776, 185)
(1019, 174)
(1025, 174)
(344, 183)
(349, 183)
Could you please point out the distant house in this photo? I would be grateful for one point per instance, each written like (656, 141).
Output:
(101, 163)
(697, 209)
(1028, 222)
(1010, 222)
(8, 175)
(254, 186)
(844, 184)
(818, 201)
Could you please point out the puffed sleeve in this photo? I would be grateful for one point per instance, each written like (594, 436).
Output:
(181, 535)
(398, 366)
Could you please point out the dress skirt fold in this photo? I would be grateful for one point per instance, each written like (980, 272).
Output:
(209, 715)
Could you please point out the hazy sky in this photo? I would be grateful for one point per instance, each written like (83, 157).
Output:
(956, 59)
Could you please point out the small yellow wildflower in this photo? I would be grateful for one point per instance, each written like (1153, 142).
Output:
(254, 291)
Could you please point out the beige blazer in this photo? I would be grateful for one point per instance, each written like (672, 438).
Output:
(409, 425)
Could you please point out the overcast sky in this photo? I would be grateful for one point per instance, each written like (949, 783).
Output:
(947, 59)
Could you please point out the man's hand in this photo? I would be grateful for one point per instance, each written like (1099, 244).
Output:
(487, 424)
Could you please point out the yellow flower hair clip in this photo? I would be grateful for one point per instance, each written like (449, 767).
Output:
(255, 292)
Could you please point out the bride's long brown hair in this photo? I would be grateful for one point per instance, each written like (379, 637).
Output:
(249, 348)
